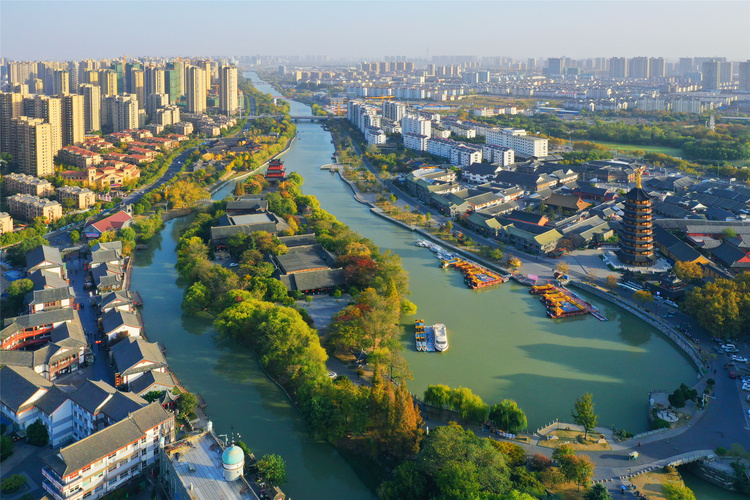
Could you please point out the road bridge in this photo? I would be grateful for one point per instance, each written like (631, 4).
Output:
(313, 118)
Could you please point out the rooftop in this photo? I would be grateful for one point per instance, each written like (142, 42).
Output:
(200, 466)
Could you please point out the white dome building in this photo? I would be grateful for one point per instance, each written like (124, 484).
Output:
(233, 462)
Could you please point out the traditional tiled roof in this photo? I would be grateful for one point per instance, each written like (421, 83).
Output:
(19, 384)
(114, 319)
(128, 353)
(50, 295)
(43, 254)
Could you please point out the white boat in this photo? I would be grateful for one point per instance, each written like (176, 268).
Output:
(441, 337)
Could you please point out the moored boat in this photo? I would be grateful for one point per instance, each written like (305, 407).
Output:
(441, 337)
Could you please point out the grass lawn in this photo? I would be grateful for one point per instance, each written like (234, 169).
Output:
(568, 491)
(650, 484)
(571, 436)
(649, 149)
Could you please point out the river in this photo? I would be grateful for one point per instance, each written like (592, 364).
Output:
(501, 344)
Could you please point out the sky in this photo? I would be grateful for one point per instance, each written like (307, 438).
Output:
(366, 30)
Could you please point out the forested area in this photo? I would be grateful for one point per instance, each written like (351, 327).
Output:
(722, 307)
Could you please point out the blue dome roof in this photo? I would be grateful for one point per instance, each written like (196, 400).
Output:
(233, 455)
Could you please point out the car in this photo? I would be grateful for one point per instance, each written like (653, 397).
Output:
(739, 359)
(332, 374)
(728, 346)
(233, 264)
(732, 375)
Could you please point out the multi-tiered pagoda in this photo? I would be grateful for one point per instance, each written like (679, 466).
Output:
(275, 171)
(636, 229)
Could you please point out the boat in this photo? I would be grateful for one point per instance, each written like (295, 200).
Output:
(524, 280)
(441, 337)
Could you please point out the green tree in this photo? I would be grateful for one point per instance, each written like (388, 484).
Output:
(508, 416)
(578, 469)
(197, 298)
(186, 403)
(6, 447)
(449, 226)
(273, 469)
(677, 491)
(75, 236)
(597, 492)
(688, 271)
(152, 396)
(583, 413)
(438, 395)
(12, 483)
(17, 290)
(562, 452)
(36, 434)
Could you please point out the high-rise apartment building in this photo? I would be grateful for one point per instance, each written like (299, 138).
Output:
(91, 77)
(727, 72)
(50, 110)
(154, 80)
(121, 112)
(745, 76)
(74, 72)
(394, 110)
(137, 85)
(686, 65)
(173, 81)
(618, 67)
(228, 103)
(196, 89)
(657, 67)
(73, 119)
(206, 66)
(108, 81)
(154, 102)
(11, 106)
(638, 67)
(92, 101)
(33, 146)
(711, 79)
(556, 66)
(61, 83)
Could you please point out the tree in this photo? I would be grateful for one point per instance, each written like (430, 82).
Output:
(514, 262)
(6, 447)
(597, 492)
(75, 236)
(273, 469)
(563, 267)
(197, 298)
(152, 396)
(583, 413)
(12, 483)
(642, 297)
(688, 271)
(186, 403)
(677, 491)
(612, 282)
(437, 395)
(508, 416)
(449, 226)
(36, 434)
(577, 468)
(728, 233)
(562, 452)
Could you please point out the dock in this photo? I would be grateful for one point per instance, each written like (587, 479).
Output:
(562, 303)
(475, 276)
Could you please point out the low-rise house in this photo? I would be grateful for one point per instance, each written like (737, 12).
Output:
(529, 237)
(101, 463)
(134, 357)
(569, 203)
(120, 324)
(44, 278)
(588, 230)
(119, 300)
(675, 249)
(248, 204)
(246, 224)
(50, 298)
(527, 218)
(45, 258)
(529, 182)
(114, 222)
(480, 173)
(587, 192)
(97, 405)
(108, 277)
(307, 266)
(34, 329)
(153, 381)
(732, 257)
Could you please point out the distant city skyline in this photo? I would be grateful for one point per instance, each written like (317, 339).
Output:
(366, 30)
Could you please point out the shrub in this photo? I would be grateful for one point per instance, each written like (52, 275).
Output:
(539, 462)
(721, 451)
(12, 483)
(710, 381)
(36, 434)
(660, 423)
(6, 447)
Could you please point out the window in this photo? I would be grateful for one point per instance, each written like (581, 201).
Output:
(143, 452)
(113, 455)
(86, 468)
(112, 468)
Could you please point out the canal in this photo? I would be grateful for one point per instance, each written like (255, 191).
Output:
(501, 344)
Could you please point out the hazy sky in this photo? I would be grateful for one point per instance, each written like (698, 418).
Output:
(31, 30)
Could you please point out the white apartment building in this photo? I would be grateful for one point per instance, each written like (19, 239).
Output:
(517, 140)
(394, 110)
(501, 155)
(416, 125)
(28, 184)
(374, 135)
(440, 147)
(416, 141)
(463, 156)
(28, 207)
(102, 462)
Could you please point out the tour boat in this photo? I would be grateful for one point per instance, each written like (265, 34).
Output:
(441, 337)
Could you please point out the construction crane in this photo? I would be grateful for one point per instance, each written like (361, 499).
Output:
(380, 97)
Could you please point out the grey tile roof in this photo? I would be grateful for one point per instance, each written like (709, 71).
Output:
(102, 256)
(51, 295)
(152, 381)
(43, 278)
(17, 323)
(52, 400)
(110, 245)
(121, 404)
(129, 352)
(107, 441)
(69, 334)
(18, 384)
(314, 280)
(17, 358)
(43, 254)
(113, 299)
(92, 395)
(114, 319)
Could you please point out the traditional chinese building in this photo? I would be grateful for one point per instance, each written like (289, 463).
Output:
(636, 229)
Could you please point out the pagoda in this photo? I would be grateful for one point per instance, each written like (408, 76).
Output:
(275, 171)
(636, 228)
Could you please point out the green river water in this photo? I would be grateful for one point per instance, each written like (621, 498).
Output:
(501, 344)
